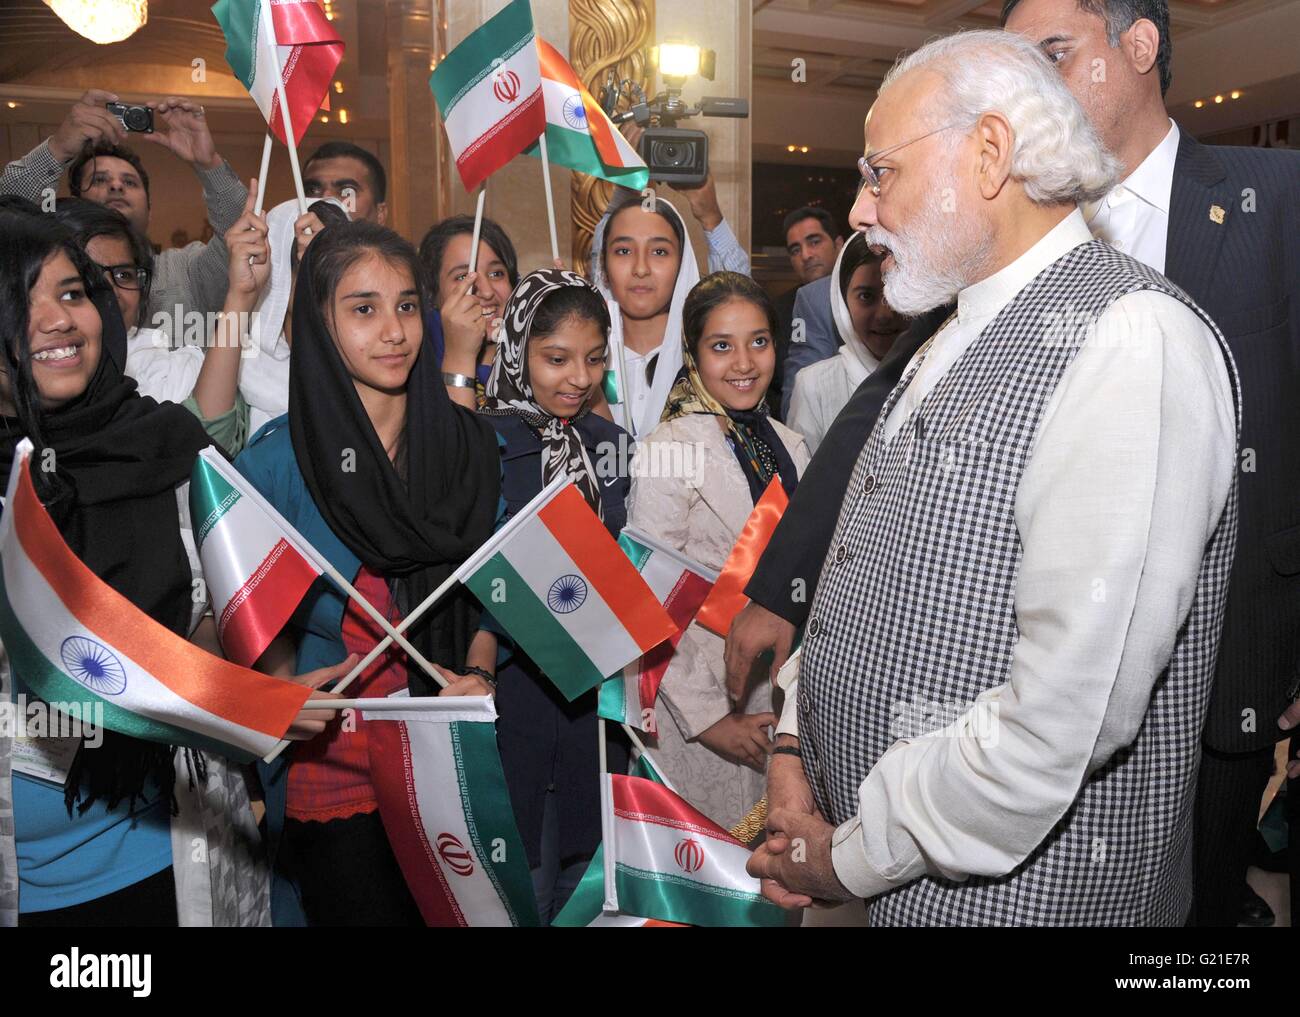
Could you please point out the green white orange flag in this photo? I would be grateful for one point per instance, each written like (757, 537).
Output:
(309, 50)
(680, 584)
(664, 861)
(727, 597)
(446, 811)
(489, 91)
(85, 648)
(578, 133)
(255, 563)
(558, 583)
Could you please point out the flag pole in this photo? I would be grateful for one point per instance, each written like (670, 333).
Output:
(289, 136)
(469, 565)
(261, 176)
(550, 200)
(610, 902)
(478, 226)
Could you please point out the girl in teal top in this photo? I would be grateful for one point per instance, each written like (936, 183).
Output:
(385, 476)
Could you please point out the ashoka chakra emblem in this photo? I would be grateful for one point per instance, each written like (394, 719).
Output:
(93, 665)
(566, 594)
(575, 114)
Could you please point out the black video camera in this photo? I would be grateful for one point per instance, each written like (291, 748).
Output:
(673, 155)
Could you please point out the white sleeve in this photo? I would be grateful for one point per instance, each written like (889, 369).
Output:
(1130, 472)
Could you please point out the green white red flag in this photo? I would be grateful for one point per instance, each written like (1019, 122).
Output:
(309, 53)
(256, 565)
(446, 811)
(489, 91)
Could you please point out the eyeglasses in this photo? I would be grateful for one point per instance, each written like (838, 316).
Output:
(126, 277)
(870, 179)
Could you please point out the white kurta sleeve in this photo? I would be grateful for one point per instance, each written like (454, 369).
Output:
(1130, 472)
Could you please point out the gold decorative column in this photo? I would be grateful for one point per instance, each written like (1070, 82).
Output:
(413, 169)
(604, 35)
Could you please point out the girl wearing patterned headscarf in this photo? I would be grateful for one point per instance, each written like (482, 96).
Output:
(549, 366)
(716, 425)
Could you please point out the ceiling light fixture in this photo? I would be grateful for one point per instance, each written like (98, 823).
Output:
(102, 21)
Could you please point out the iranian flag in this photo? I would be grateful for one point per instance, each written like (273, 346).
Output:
(87, 650)
(727, 597)
(309, 50)
(445, 808)
(255, 563)
(680, 585)
(489, 90)
(558, 583)
(665, 861)
(578, 133)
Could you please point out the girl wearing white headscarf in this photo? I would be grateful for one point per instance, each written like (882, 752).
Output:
(244, 382)
(867, 328)
(638, 247)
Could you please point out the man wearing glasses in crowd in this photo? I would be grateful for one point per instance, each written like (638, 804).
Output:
(188, 282)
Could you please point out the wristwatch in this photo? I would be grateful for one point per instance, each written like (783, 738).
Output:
(457, 380)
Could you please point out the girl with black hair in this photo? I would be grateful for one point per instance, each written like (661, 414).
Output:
(717, 427)
(549, 367)
(99, 848)
(464, 304)
(867, 327)
(644, 266)
(396, 486)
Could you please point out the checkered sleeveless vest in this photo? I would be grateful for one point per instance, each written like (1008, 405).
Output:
(914, 605)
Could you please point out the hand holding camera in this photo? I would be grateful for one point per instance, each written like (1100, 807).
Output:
(87, 123)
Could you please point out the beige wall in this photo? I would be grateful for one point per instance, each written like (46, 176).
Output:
(515, 197)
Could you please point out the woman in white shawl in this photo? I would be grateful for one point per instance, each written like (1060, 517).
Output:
(644, 265)
(867, 328)
(244, 381)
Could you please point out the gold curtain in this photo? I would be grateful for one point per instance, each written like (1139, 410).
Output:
(604, 35)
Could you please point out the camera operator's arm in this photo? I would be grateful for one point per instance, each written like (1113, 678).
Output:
(198, 270)
(725, 252)
(87, 122)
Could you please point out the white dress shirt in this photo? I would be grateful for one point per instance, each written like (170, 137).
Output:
(1134, 216)
(1131, 467)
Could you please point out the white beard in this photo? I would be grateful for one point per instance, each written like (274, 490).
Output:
(938, 257)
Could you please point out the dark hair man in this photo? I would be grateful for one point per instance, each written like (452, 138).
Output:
(89, 144)
(812, 241)
(342, 170)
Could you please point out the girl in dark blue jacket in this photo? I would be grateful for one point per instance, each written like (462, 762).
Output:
(549, 367)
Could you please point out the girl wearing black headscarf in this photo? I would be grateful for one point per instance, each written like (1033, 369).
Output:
(396, 486)
(549, 367)
(113, 470)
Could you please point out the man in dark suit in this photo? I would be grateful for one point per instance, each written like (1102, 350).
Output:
(1221, 223)
(812, 242)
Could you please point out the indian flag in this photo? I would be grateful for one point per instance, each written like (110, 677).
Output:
(680, 585)
(578, 133)
(309, 53)
(445, 808)
(255, 563)
(727, 597)
(559, 585)
(489, 90)
(87, 650)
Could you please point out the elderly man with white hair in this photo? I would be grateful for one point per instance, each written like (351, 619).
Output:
(1010, 650)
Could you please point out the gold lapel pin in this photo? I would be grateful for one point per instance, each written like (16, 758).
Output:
(1217, 214)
